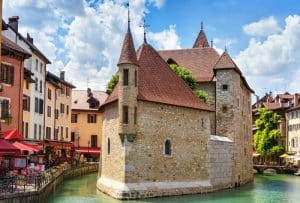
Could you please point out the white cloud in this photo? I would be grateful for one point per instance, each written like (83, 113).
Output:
(270, 64)
(263, 27)
(85, 40)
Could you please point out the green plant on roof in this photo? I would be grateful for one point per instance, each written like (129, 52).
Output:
(184, 74)
(112, 83)
(202, 95)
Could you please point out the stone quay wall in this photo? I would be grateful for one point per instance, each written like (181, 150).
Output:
(42, 194)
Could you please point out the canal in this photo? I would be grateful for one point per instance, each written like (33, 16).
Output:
(265, 188)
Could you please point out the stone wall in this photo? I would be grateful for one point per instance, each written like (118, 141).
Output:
(42, 194)
(220, 156)
(234, 120)
(148, 171)
(113, 163)
(210, 89)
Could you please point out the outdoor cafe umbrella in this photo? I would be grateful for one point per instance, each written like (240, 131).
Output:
(284, 156)
(12, 135)
(7, 149)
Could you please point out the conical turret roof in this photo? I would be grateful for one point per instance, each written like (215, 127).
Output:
(201, 40)
(128, 54)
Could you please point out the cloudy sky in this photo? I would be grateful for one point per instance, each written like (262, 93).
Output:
(84, 37)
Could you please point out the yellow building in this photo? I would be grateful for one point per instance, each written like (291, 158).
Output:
(58, 108)
(86, 128)
(26, 102)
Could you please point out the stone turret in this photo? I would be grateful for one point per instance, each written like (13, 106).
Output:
(127, 92)
(233, 115)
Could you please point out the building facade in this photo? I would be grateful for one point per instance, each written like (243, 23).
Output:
(293, 130)
(157, 136)
(11, 87)
(58, 107)
(86, 126)
(37, 65)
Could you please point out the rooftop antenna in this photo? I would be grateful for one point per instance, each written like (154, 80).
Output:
(145, 26)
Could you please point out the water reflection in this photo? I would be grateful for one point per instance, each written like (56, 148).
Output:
(265, 188)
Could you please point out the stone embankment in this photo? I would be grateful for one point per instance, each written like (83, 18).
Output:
(42, 194)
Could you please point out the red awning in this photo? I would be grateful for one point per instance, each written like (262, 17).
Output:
(86, 150)
(7, 149)
(23, 146)
(12, 135)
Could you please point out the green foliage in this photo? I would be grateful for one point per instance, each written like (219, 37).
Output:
(185, 75)
(267, 136)
(112, 83)
(202, 95)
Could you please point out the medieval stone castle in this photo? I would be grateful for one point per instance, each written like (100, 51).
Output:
(159, 139)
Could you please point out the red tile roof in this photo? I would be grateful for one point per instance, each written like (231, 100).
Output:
(158, 83)
(271, 106)
(128, 54)
(226, 62)
(201, 40)
(80, 98)
(14, 48)
(200, 61)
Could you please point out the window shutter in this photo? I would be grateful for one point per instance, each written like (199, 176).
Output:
(11, 75)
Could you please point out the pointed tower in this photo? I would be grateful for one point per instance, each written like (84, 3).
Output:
(201, 40)
(127, 92)
(233, 101)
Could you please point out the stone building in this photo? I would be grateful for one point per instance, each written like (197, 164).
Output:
(157, 136)
(86, 121)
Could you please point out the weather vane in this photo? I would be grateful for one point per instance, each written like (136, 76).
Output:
(145, 26)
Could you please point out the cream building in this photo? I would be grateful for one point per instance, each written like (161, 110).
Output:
(86, 127)
(37, 65)
(26, 102)
(293, 122)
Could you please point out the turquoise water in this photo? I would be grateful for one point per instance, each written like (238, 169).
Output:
(265, 188)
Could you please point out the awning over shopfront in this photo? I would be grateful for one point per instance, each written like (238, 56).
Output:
(87, 150)
(12, 135)
(8, 149)
(24, 146)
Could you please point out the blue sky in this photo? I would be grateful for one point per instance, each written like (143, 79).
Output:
(84, 37)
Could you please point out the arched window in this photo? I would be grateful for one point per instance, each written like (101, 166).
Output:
(168, 149)
(108, 146)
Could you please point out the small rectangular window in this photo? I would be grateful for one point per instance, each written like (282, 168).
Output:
(41, 106)
(41, 86)
(125, 114)
(35, 131)
(126, 77)
(92, 118)
(135, 78)
(135, 114)
(49, 94)
(74, 118)
(72, 136)
(224, 87)
(93, 141)
(36, 84)
(40, 132)
(36, 64)
(36, 105)
(67, 132)
(49, 111)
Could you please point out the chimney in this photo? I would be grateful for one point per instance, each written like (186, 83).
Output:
(296, 99)
(14, 22)
(30, 39)
(62, 75)
(89, 92)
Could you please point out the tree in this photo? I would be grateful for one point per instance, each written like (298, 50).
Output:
(112, 83)
(185, 75)
(202, 95)
(267, 136)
